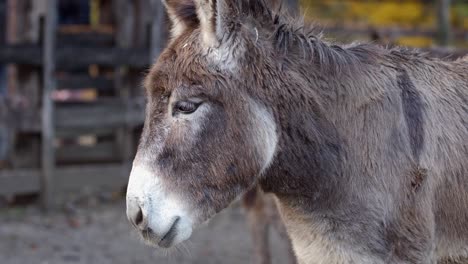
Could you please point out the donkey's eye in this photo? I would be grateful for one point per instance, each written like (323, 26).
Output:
(185, 107)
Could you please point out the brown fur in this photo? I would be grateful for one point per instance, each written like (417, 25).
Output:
(370, 145)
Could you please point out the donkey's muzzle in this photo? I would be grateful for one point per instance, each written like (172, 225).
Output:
(156, 213)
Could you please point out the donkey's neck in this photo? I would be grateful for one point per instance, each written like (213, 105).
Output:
(307, 174)
(312, 99)
(307, 164)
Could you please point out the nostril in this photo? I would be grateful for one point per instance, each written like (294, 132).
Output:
(136, 216)
(139, 217)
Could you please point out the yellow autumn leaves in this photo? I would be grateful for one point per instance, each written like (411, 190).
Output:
(401, 13)
(409, 14)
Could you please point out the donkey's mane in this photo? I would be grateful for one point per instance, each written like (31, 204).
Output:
(299, 39)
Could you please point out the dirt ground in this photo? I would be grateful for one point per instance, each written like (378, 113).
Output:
(101, 234)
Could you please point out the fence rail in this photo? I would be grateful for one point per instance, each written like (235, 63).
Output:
(28, 180)
(76, 56)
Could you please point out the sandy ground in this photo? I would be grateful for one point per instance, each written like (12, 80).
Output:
(101, 234)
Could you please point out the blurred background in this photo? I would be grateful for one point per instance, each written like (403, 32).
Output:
(72, 106)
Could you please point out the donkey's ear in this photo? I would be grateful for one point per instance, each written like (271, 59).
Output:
(217, 19)
(182, 14)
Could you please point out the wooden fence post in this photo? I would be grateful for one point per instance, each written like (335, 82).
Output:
(48, 126)
(23, 22)
(157, 40)
(125, 27)
(443, 22)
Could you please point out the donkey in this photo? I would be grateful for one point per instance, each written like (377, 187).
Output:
(364, 148)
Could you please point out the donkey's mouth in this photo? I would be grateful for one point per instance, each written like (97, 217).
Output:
(175, 234)
(168, 238)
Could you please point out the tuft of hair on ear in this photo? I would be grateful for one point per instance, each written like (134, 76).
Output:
(186, 11)
(182, 14)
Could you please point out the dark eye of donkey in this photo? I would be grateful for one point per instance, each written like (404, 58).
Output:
(185, 107)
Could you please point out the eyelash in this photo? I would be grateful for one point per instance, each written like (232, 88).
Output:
(185, 107)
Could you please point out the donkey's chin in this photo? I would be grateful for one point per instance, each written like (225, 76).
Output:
(180, 231)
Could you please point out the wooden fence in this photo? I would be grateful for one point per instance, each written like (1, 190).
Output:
(47, 61)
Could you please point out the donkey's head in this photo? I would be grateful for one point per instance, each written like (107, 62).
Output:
(207, 136)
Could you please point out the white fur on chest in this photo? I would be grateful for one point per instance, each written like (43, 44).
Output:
(319, 250)
(313, 245)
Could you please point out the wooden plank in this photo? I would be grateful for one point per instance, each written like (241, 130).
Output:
(66, 56)
(94, 115)
(76, 177)
(28, 54)
(19, 181)
(69, 178)
(87, 117)
(85, 81)
(90, 39)
(102, 56)
(48, 126)
(101, 152)
(77, 131)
